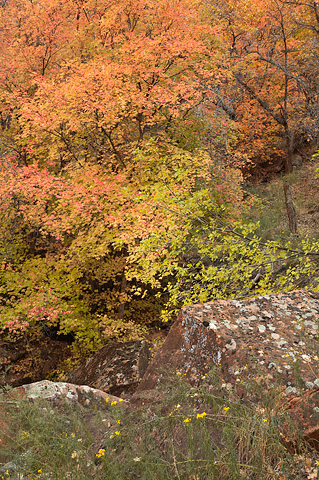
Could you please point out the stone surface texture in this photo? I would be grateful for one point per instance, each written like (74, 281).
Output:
(115, 368)
(273, 338)
(59, 392)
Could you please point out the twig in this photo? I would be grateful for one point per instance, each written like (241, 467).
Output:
(175, 466)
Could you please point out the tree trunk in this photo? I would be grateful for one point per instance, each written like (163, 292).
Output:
(121, 308)
(290, 209)
(290, 139)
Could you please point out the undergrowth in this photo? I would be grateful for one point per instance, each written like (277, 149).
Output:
(188, 433)
(270, 211)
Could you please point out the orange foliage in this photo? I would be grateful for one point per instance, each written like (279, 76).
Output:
(100, 74)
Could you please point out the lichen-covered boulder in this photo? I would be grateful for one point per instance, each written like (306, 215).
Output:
(59, 392)
(269, 339)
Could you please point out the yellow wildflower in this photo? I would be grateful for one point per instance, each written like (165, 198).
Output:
(201, 415)
(101, 453)
(187, 420)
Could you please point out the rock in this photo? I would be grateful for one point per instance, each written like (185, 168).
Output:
(269, 339)
(116, 368)
(297, 161)
(304, 411)
(59, 392)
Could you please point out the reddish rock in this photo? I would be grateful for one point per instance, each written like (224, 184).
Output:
(304, 411)
(269, 338)
(116, 368)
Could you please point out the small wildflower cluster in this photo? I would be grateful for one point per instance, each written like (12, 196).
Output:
(114, 402)
(174, 410)
(201, 415)
(198, 416)
(101, 453)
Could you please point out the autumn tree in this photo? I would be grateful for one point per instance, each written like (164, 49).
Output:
(93, 80)
(267, 88)
(77, 233)
(84, 84)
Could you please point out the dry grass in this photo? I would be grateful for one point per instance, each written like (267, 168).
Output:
(191, 434)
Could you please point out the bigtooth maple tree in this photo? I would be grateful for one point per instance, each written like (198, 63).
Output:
(76, 236)
(269, 90)
(35, 38)
(100, 77)
(84, 83)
